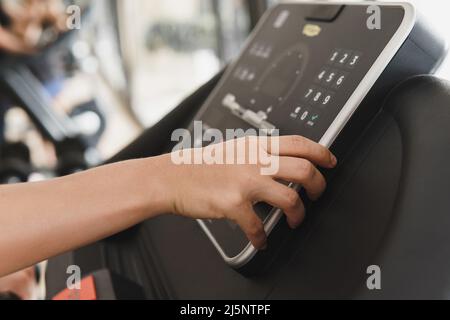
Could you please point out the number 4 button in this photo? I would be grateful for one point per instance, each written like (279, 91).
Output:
(322, 75)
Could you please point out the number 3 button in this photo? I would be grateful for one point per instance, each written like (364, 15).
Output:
(354, 60)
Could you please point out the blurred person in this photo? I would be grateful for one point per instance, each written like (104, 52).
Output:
(23, 25)
(10, 43)
(22, 28)
(30, 19)
(21, 285)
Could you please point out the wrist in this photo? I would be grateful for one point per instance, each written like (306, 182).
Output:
(157, 185)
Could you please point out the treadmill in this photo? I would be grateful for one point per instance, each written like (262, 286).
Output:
(385, 205)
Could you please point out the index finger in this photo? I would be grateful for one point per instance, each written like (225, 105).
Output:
(301, 147)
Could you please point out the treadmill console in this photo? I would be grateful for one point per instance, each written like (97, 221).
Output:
(304, 71)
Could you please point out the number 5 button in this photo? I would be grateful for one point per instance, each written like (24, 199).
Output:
(330, 78)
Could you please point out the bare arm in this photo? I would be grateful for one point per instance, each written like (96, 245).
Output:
(41, 220)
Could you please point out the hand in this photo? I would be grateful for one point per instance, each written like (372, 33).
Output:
(22, 284)
(220, 191)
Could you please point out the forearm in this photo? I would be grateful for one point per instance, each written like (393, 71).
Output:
(41, 220)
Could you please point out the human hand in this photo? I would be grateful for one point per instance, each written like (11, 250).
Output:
(22, 284)
(229, 191)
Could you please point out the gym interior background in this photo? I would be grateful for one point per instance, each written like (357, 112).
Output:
(138, 59)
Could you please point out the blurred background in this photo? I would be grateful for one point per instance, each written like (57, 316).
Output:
(167, 48)
(133, 61)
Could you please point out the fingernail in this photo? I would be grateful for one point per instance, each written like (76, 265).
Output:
(334, 160)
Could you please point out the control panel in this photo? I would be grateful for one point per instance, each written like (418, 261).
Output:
(302, 67)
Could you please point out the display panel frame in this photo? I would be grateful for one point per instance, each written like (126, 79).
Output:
(339, 122)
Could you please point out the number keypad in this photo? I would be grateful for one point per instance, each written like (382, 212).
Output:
(328, 80)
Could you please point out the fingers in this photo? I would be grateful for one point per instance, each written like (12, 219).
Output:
(300, 147)
(285, 198)
(253, 227)
(303, 172)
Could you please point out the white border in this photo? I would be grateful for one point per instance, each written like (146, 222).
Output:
(343, 117)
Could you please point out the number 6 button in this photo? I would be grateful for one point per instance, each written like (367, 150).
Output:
(340, 80)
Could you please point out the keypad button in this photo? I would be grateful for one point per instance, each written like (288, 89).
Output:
(312, 120)
(304, 116)
(261, 50)
(334, 56)
(245, 74)
(297, 113)
(321, 75)
(330, 77)
(309, 94)
(327, 99)
(354, 60)
(340, 80)
(344, 58)
(317, 96)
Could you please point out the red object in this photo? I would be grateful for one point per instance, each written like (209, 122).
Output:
(86, 293)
